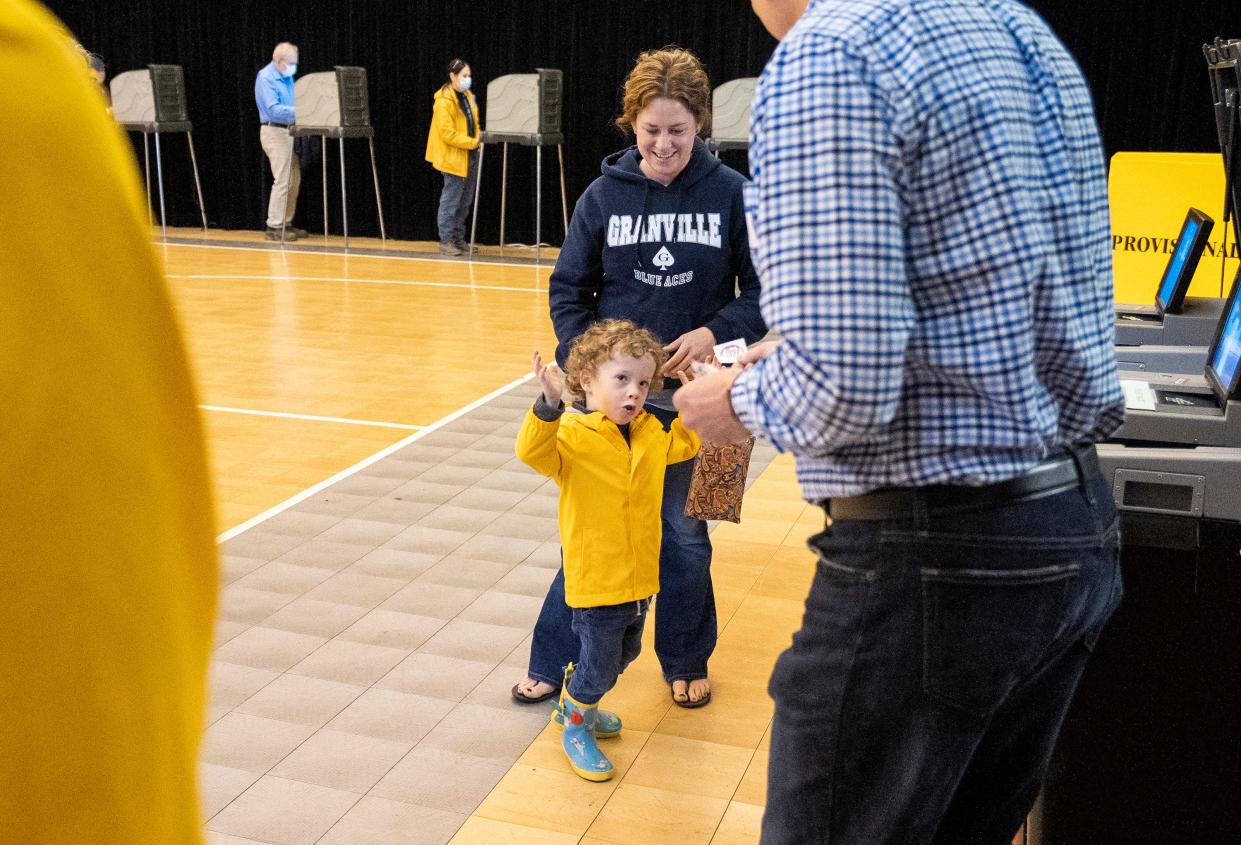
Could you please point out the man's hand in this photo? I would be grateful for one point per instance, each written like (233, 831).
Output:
(552, 380)
(707, 408)
(757, 352)
(696, 345)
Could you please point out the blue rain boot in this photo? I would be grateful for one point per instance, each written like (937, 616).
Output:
(607, 723)
(577, 721)
(579, 741)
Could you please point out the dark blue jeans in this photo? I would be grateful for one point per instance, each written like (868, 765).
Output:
(455, 202)
(921, 699)
(611, 639)
(685, 622)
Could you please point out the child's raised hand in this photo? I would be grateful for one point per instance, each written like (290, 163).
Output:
(551, 378)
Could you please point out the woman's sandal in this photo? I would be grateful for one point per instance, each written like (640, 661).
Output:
(687, 703)
(521, 698)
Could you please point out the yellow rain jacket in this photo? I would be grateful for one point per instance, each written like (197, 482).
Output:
(449, 142)
(610, 497)
(107, 546)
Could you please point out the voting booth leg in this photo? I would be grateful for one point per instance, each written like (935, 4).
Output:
(146, 162)
(538, 202)
(198, 186)
(503, 193)
(383, 234)
(478, 185)
(344, 205)
(564, 202)
(323, 158)
(284, 208)
(159, 175)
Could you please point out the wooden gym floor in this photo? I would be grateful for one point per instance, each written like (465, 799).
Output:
(384, 558)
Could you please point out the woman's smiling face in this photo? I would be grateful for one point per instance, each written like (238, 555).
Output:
(665, 132)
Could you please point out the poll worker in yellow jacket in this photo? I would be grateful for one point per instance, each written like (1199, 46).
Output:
(452, 148)
(609, 463)
(107, 554)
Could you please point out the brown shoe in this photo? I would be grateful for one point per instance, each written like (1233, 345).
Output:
(449, 249)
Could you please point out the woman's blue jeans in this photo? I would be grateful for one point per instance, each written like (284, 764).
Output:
(456, 199)
(685, 622)
(921, 699)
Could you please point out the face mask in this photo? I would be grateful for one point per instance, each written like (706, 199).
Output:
(289, 70)
(465, 83)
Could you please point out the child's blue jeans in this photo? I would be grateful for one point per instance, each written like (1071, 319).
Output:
(611, 638)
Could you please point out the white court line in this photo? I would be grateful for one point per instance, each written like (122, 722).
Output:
(357, 255)
(365, 462)
(270, 278)
(311, 417)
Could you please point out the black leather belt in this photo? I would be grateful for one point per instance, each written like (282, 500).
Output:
(281, 125)
(1054, 475)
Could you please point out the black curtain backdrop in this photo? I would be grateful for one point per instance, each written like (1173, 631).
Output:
(1143, 61)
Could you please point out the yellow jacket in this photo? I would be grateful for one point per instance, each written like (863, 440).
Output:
(610, 497)
(107, 536)
(449, 142)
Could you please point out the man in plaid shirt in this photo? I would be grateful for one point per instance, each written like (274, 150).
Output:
(929, 220)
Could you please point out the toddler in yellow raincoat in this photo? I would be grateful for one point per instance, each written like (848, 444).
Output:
(609, 463)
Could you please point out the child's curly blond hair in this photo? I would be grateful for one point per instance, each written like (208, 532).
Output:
(603, 340)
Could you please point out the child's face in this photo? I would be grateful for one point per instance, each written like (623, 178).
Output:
(619, 386)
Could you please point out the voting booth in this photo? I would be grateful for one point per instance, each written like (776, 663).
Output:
(336, 104)
(152, 101)
(1171, 332)
(1151, 747)
(524, 109)
(730, 115)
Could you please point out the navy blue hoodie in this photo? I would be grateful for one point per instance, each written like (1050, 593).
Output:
(667, 258)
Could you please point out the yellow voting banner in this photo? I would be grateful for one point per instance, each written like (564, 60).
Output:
(1149, 194)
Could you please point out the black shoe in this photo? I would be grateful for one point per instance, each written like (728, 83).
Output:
(450, 249)
(278, 235)
(301, 233)
(465, 248)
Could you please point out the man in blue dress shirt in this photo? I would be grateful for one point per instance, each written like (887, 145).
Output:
(273, 93)
(930, 223)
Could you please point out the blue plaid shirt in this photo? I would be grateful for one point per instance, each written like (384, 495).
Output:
(929, 220)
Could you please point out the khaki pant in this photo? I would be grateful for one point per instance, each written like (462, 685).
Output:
(278, 144)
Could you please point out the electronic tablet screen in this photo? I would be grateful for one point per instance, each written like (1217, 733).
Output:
(1225, 363)
(1176, 266)
(1184, 261)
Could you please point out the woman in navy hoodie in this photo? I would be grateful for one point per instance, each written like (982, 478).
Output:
(659, 239)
